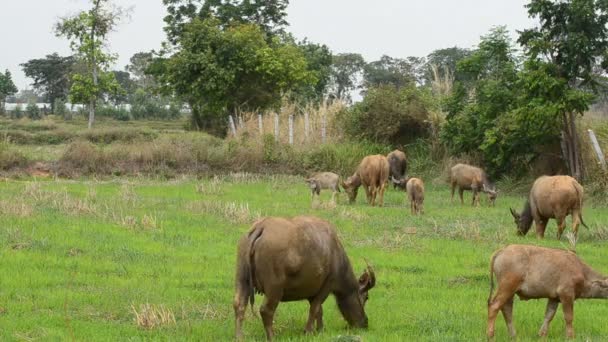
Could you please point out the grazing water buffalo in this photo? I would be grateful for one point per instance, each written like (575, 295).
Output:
(467, 177)
(296, 259)
(372, 172)
(415, 192)
(397, 168)
(324, 180)
(536, 272)
(551, 197)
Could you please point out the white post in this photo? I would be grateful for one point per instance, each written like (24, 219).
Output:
(260, 126)
(276, 126)
(306, 125)
(232, 126)
(598, 150)
(291, 129)
(241, 122)
(323, 128)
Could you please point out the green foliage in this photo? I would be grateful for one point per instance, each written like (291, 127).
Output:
(219, 70)
(346, 67)
(33, 112)
(87, 32)
(445, 60)
(17, 113)
(115, 112)
(60, 109)
(147, 106)
(319, 61)
(7, 88)
(51, 76)
(393, 71)
(269, 15)
(389, 115)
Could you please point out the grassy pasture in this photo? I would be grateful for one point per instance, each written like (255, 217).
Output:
(81, 260)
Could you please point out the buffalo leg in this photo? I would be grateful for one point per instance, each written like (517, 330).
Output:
(549, 314)
(540, 225)
(316, 310)
(412, 206)
(453, 188)
(568, 308)
(576, 214)
(381, 191)
(267, 310)
(240, 303)
(373, 194)
(504, 294)
(561, 224)
(507, 312)
(460, 193)
(368, 194)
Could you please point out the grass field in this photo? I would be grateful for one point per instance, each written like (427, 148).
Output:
(80, 260)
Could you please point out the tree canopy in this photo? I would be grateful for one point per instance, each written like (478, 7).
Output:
(7, 87)
(51, 76)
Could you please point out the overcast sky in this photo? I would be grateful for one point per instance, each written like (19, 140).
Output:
(398, 28)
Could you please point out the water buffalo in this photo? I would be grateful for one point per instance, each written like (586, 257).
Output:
(415, 193)
(467, 177)
(398, 168)
(534, 272)
(296, 259)
(324, 180)
(372, 172)
(551, 197)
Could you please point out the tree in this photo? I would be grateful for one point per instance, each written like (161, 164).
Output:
(270, 15)
(396, 71)
(445, 60)
(51, 76)
(220, 70)
(572, 36)
(138, 66)
(126, 88)
(87, 32)
(318, 61)
(7, 88)
(346, 68)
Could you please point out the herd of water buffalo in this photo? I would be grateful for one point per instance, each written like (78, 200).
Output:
(302, 258)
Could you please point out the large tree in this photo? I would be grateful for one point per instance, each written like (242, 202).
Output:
(572, 36)
(345, 71)
(219, 70)
(138, 66)
(393, 71)
(88, 32)
(270, 15)
(51, 76)
(7, 88)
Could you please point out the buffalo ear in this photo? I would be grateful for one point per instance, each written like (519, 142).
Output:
(514, 213)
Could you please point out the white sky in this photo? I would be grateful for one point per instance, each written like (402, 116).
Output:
(398, 28)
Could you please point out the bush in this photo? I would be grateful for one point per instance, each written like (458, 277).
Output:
(11, 158)
(117, 113)
(18, 112)
(60, 108)
(388, 115)
(33, 112)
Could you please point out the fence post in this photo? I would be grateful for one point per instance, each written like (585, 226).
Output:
(276, 126)
(241, 122)
(323, 129)
(598, 150)
(306, 125)
(260, 126)
(232, 126)
(291, 129)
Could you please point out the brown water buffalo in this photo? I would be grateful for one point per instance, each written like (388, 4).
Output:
(296, 259)
(534, 272)
(397, 168)
(324, 180)
(415, 193)
(551, 197)
(467, 177)
(372, 173)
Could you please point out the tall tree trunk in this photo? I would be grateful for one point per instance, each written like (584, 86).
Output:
(93, 99)
(570, 146)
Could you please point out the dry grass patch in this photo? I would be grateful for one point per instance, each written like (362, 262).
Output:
(16, 208)
(213, 187)
(150, 316)
(236, 213)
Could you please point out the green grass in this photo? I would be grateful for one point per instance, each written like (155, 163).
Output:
(76, 256)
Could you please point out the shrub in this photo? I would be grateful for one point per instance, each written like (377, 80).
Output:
(60, 108)
(11, 158)
(33, 112)
(117, 113)
(18, 112)
(388, 115)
